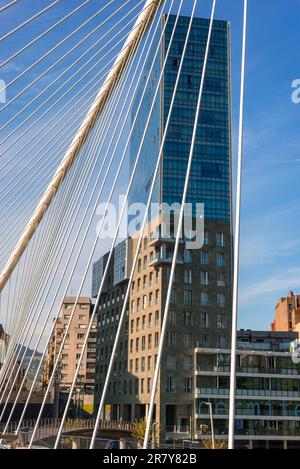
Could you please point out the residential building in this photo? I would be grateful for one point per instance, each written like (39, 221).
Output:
(200, 311)
(72, 349)
(287, 314)
(267, 391)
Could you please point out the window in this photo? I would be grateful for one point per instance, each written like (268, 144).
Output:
(204, 320)
(156, 296)
(144, 302)
(156, 337)
(188, 276)
(131, 346)
(220, 240)
(80, 336)
(221, 279)
(145, 262)
(220, 259)
(149, 341)
(204, 278)
(222, 342)
(188, 362)
(137, 342)
(131, 365)
(81, 317)
(138, 325)
(150, 278)
(188, 385)
(221, 300)
(170, 384)
(206, 238)
(188, 340)
(143, 342)
(150, 320)
(156, 318)
(188, 319)
(142, 385)
(204, 257)
(187, 256)
(173, 296)
(136, 364)
(204, 300)
(221, 321)
(143, 364)
(150, 299)
(172, 317)
(132, 326)
(187, 297)
(149, 363)
(148, 385)
(171, 362)
(171, 339)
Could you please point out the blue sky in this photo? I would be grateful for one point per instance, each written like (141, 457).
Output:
(270, 245)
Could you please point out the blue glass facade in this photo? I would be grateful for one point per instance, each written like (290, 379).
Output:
(211, 173)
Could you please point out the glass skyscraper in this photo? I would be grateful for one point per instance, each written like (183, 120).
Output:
(211, 170)
(200, 311)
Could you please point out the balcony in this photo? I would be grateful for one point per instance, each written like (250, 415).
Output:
(164, 258)
(247, 393)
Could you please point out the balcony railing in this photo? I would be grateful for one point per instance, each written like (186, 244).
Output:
(246, 392)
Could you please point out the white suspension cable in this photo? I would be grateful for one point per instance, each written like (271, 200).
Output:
(235, 295)
(93, 169)
(54, 135)
(44, 57)
(45, 351)
(13, 56)
(66, 106)
(77, 60)
(62, 86)
(133, 39)
(8, 5)
(123, 312)
(121, 213)
(178, 236)
(85, 174)
(86, 271)
(25, 23)
(50, 214)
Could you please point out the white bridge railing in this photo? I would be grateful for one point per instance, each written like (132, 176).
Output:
(49, 427)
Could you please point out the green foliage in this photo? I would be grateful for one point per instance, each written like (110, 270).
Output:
(219, 444)
(139, 430)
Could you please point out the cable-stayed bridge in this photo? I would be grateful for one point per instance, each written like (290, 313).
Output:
(67, 122)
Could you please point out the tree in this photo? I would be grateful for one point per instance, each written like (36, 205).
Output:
(219, 444)
(139, 430)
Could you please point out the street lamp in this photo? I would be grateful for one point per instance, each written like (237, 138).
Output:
(209, 404)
